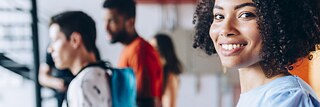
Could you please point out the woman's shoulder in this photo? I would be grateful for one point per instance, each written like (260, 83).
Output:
(290, 84)
(291, 91)
(172, 76)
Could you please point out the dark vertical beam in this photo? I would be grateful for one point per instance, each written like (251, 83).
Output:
(35, 44)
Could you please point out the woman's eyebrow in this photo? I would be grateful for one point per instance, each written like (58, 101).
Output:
(244, 5)
(237, 6)
(218, 7)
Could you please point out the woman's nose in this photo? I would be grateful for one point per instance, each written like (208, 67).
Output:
(227, 28)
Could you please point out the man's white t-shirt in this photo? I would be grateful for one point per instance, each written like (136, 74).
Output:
(90, 88)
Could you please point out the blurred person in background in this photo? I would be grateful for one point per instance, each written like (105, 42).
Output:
(172, 68)
(56, 79)
(137, 53)
(73, 46)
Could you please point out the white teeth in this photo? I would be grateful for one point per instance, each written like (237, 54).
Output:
(231, 46)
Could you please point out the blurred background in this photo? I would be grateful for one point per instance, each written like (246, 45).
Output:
(24, 38)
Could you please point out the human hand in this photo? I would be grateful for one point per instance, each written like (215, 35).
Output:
(58, 84)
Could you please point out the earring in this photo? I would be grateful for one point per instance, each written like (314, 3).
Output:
(317, 47)
(224, 69)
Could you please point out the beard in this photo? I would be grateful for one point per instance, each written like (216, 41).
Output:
(119, 36)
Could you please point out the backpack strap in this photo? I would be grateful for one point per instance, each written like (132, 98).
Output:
(103, 64)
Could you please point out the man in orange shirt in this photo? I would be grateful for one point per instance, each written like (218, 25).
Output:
(137, 53)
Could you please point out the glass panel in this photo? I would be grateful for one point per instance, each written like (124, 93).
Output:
(16, 54)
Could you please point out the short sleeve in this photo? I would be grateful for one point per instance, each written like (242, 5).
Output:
(292, 98)
(96, 90)
(49, 60)
(147, 67)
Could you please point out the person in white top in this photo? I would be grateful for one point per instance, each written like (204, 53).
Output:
(73, 35)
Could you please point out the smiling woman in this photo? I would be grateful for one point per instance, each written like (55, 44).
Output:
(261, 38)
(235, 33)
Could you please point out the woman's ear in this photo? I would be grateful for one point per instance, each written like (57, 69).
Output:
(75, 40)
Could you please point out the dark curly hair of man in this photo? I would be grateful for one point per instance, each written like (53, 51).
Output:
(289, 29)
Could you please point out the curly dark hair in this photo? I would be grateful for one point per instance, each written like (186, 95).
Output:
(289, 29)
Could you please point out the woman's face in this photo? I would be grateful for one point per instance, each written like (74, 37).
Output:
(235, 33)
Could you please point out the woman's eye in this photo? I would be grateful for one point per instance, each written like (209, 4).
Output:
(218, 17)
(247, 15)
